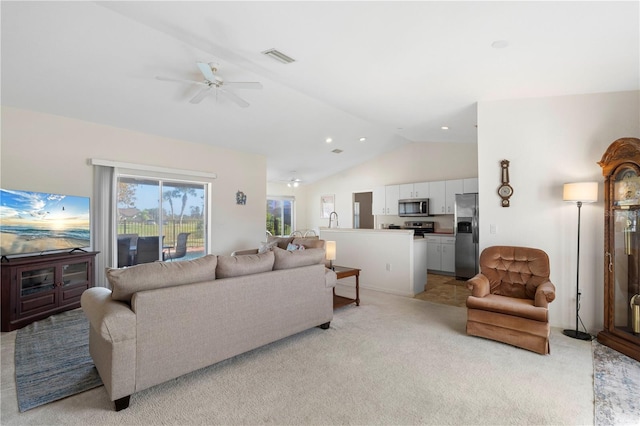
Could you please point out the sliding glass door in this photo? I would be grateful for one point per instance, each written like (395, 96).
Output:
(160, 219)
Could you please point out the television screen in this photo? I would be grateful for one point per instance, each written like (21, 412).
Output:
(36, 222)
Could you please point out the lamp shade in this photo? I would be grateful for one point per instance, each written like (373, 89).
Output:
(330, 247)
(586, 192)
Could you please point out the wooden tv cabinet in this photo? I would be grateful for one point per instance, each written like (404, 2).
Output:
(36, 287)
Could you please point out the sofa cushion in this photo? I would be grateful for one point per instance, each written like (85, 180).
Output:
(309, 242)
(285, 259)
(148, 276)
(235, 266)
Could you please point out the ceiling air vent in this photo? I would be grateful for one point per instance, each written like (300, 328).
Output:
(337, 151)
(278, 56)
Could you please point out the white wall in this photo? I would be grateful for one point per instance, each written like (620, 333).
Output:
(551, 141)
(42, 152)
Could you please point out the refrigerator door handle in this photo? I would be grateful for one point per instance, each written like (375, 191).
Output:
(474, 226)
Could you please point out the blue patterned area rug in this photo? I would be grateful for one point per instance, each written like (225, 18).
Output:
(616, 387)
(52, 360)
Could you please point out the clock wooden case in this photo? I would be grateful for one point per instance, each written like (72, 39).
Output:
(621, 170)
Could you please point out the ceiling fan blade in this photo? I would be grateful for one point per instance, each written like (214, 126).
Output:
(243, 84)
(235, 98)
(206, 71)
(179, 80)
(200, 95)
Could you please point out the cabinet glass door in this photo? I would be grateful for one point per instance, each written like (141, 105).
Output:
(75, 273)
(625, 264)
(32, 281)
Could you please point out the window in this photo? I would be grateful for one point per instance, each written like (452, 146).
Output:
(280, 215)
(160, 219)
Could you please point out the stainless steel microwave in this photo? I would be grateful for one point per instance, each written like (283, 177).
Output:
(413, 207)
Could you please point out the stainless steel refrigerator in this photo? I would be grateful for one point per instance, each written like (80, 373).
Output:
(466, 220)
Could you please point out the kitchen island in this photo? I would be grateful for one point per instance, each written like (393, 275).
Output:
(390, 260)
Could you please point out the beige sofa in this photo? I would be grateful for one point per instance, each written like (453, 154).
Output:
(162, 320)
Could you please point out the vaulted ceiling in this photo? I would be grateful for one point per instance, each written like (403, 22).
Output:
(391, 72)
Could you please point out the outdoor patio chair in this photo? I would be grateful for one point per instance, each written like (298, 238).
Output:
(147, 250)
(181, 246)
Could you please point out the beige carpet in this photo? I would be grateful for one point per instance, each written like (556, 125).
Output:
(393, 360)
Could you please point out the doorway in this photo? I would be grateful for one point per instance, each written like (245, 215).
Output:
(363, 210)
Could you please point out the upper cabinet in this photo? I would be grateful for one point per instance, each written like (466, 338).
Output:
(414, 190)
(441, 195)
(469, 186)
(392, 195)
(437, 197)
(452, 187)
(385, 200)
(378, 204)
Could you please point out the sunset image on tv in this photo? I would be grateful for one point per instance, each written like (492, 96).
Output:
(34, 222)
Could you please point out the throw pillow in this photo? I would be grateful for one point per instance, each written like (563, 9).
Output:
(282, 242)
(285, 259)
(309, 242)
(267, 246)
(235, 266)
(148, 276)
(292, 247)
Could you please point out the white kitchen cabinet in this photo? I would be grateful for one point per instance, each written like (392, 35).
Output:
(437, 198)
(441, 254)
(452, 187)
(470, 186)
(378, 204)
(448, 251)
(392, 195)
(406, 191)
(414, 190)
(421, 190)
(385, 200)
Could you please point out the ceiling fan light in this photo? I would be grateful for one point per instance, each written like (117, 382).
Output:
(278, 56)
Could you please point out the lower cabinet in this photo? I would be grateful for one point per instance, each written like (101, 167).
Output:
(35, 287)
(441, 254)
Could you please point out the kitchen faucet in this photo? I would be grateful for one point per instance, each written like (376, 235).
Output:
(331, 218)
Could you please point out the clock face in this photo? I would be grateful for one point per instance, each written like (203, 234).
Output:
(505, 191)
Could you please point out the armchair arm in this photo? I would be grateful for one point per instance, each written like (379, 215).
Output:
(479, 285)
(545, 294)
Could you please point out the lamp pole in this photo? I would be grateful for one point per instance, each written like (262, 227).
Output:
(576, 334)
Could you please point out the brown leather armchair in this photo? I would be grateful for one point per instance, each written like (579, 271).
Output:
(510, 297)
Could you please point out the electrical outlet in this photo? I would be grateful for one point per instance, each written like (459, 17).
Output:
(388, 267)
(492, 228)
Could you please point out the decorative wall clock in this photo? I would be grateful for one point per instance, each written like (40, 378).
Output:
(505, 191)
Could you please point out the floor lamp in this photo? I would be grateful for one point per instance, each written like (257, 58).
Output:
(581, 192)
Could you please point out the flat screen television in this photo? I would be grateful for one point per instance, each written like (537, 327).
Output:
(37, 222)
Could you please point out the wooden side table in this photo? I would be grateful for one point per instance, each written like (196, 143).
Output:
(344, 272)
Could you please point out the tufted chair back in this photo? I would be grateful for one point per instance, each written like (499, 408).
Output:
(514, 271)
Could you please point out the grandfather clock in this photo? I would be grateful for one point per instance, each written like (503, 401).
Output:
(621, 170)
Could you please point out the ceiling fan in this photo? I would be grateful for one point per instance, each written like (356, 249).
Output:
(214, 84)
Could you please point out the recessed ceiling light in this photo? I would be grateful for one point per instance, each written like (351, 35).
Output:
(362, 139)
(500, 44)
(328, 140)
(445, 127)
(278, 56)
